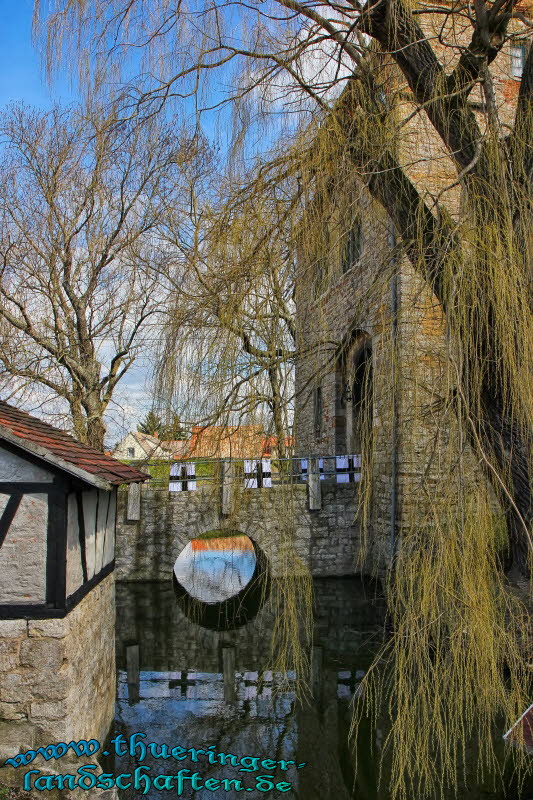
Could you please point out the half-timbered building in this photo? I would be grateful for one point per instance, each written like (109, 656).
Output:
(57, 516)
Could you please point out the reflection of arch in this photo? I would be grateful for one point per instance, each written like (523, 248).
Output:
(353, 393)
(236, 610)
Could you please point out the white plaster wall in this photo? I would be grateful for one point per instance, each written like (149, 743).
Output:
(23, 553)
(16, 468)
(104, 503)
(99, 513)
(74, 568)
(130, 441)
(89, 499)
(109, 544)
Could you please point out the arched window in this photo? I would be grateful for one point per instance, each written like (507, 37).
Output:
(354, 395)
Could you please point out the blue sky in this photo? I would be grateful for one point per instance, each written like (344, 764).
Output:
(21, 75)
(22, 78)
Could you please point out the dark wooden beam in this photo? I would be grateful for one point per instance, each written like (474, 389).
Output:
(8, 515)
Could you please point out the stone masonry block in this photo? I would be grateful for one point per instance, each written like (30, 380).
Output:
(15, 688)
(53, 628)
(42, 653)
(16, 737)
(12, 711)
(12, 628)
(51, 686)
(48, 710)
(9, 654)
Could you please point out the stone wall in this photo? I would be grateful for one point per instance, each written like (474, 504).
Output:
(415, 368)
(277, 519)
(358, 299)
(57, 676)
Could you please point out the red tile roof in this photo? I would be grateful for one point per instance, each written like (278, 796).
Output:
(59, 444)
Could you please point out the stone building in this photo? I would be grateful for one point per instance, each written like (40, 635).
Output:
(372, 332)
(58, 501)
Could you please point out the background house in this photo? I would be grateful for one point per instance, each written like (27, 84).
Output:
(142, 446)
(211, 441)
(221, 441)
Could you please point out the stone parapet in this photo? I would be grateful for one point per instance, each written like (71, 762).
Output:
(326, 541)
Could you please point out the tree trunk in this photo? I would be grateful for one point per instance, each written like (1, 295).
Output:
(508, 448)
(96, 432)
(95, 425)
(277, 410)
(79, 420)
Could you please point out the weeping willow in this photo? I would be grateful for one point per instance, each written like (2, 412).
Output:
(454, 672)
(458, 658)
(419, 132)
(455, 668)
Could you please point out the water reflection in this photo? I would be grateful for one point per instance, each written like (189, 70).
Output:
(216, 568)
(193, 687)
(221, 582)
(197, 687)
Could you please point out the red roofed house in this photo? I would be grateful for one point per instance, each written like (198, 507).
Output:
(57, 548)
(239, 441)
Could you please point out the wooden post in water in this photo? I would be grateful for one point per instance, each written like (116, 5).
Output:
(315, 489)
(317, 659)
(228, 669)
(133, 672)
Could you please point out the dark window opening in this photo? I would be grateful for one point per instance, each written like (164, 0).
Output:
(131, 452)
(354, 397)
(354, 247)
(361, 397)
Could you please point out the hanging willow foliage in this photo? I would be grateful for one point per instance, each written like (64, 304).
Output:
(408, 115)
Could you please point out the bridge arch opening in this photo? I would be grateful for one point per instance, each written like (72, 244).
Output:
(221, 579)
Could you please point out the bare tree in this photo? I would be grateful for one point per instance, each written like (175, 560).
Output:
(80, 200)
(231, 313)
(364, 78)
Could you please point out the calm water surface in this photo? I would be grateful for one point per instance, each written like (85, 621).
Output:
(191, 687)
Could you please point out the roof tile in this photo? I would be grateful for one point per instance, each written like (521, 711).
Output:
(64, 446)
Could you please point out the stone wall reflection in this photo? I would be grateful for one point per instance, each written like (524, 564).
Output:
(347, 614)
(193, 687)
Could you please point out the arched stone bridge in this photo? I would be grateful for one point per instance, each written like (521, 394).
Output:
(278, 519)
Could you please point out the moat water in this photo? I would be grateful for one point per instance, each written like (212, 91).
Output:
(211, 697)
